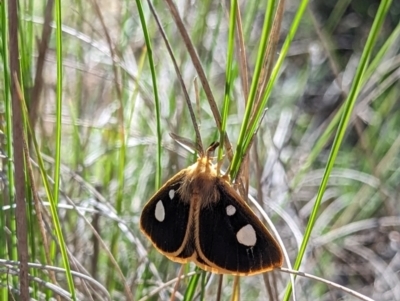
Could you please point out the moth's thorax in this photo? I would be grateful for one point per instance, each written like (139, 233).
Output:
(199, 183)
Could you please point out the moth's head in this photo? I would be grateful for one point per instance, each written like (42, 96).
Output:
(205, 165)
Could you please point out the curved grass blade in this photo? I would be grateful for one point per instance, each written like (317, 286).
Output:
(348, 108)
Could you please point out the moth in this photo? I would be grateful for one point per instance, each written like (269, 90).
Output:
(197, 216)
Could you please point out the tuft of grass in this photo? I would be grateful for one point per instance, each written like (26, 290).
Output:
(303, 99)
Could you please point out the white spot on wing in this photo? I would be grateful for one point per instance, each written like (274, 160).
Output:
(171, 194)
(160, 211)
(247, 236)
(230, 210)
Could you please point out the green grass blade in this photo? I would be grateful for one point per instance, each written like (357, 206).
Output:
(327, 134)
(57, 163)
(5, 251)
(237, 157)
(56, 191)
(191, 289)
(275, 72)
(348, 108)
(229, 78)
(155, 89)
(53, 206)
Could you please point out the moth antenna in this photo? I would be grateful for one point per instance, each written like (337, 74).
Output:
(188, 144)
(211, 149)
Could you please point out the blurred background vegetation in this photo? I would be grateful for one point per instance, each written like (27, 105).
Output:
(103, 112)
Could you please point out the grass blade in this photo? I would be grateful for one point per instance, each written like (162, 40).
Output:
(348, 108)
